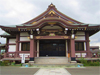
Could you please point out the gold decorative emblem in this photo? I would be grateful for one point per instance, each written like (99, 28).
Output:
(66, 37)
(51, 34)
(60, 30)
(33, 23)
(28, 37)
(38, 37)
(51, 12)
(19, 29)
(85, 28)
(70, 22)
(28, 28)
(52, 23)
(75, 37)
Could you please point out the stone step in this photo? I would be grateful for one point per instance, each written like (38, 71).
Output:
(51, 60)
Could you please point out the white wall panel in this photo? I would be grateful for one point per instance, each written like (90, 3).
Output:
(83, 54)
(24, 34)
(80, 33)
(12, 40)
(12, 48)
(80, 38)
(24, 39)
(78, 54)
(19, 46)
(85, 46)
(26, 54)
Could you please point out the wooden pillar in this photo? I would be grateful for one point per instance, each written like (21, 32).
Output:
(32, 50)
(17, 43)
(0, 50)
(87, 44)
(37, 48)
(66, 49)
(72, 47)
(7, 45)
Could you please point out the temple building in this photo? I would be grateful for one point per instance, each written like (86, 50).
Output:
(51, 35)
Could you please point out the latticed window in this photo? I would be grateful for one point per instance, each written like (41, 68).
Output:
(25, 46)
(79, 46)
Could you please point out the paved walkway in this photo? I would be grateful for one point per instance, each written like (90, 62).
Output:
(52, 71)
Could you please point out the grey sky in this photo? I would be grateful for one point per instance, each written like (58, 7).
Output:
(13, 12)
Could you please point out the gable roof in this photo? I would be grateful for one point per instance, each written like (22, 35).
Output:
(52, 15)
(53, 10)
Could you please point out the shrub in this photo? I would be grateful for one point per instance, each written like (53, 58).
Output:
(1, 63)
(83, 61)
(21, 64)
(6, 63)
(13, 63)
(89, 63)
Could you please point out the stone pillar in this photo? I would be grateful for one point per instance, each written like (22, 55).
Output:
(37, 48)
(87, 44)
(32, 53)
(72, 44)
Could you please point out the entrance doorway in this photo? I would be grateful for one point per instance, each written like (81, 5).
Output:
(52, 48)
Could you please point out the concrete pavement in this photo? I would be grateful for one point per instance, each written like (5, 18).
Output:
(84, 71)
(8, 70)
(52, 71)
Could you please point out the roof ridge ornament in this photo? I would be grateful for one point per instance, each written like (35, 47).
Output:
(51, 5)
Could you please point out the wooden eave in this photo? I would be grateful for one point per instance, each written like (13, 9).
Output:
(7, 36)
(63, 23)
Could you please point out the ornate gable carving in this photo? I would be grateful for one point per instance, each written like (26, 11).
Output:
(52, 14)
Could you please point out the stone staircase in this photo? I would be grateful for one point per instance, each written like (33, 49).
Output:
(51, 60)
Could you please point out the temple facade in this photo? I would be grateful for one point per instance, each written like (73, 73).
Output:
(51, 34)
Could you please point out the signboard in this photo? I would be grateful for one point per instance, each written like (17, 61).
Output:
(23, 58)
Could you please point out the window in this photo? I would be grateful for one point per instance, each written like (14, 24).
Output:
(79, 46)
(26, 46)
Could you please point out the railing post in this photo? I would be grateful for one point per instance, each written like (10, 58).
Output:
(16, 54)
(76, 56)
(5, 55)
(96, 55)
(81, 54)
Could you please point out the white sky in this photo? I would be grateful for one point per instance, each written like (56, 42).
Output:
(13, 12)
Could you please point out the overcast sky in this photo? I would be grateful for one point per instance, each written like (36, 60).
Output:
(14, 12)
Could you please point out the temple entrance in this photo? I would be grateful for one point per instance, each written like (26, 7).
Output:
(52, 48)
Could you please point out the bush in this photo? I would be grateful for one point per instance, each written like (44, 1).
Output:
(89, 63)
(83, 61)
(4, 63)
(1, 63)
(21, 64)
(13, 63)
